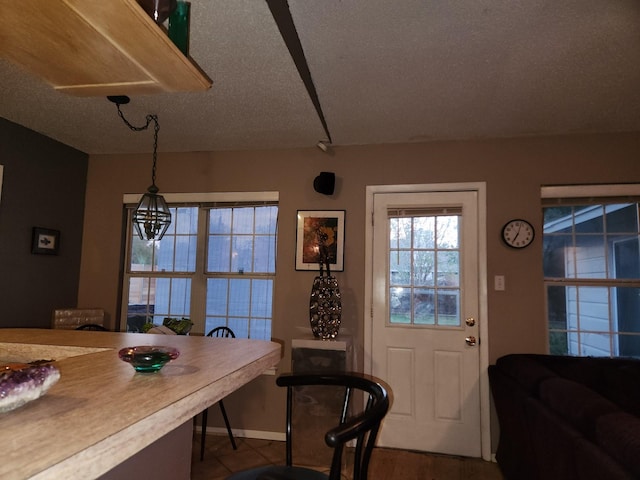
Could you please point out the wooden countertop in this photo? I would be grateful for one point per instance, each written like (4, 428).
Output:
(101, 411)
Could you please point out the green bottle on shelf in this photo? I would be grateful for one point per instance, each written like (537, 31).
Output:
(179, 26)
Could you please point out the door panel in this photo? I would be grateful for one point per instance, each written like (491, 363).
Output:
(422, 295)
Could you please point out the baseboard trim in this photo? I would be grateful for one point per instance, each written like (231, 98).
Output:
(241, 433)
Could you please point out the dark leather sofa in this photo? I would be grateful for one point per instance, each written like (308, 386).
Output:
(567, 418)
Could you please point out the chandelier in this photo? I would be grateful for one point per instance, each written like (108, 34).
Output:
(152, 216)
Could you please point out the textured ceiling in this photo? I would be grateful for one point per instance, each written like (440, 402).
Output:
(385, 72)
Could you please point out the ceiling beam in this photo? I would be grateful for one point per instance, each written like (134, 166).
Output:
(282, 16)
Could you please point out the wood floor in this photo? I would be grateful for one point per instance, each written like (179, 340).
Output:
(220, 460)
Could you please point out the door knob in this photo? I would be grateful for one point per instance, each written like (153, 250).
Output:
(470, 321)
(470, 341)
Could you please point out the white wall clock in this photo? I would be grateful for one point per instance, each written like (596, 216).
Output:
(518, 233)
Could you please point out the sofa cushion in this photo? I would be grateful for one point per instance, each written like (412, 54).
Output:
(524, 369)
(577, 404)
(621, 385)
(593, 463)
(619, 435)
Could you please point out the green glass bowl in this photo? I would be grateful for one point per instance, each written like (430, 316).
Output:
(148, 358)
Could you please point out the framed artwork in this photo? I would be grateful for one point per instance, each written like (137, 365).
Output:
(45, 241)
(314, 225)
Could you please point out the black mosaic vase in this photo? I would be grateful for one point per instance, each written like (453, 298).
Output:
(325, 305)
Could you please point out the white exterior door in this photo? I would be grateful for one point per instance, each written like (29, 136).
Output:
(425, 319)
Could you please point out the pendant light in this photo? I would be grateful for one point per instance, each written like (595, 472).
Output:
(152, 216)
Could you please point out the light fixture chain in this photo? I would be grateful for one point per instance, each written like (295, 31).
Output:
(149, 118)
(156, 128)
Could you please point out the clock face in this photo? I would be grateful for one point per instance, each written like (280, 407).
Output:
(518, 233)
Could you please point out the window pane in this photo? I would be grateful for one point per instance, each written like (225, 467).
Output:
(558, 343)
(172, 298)
(185, 220)
(556, 251)
(448, 231)
(400, 305)
(165, 254)
(589, 219)
(400, 267)
(264, 257)
(213, 322)
(220, 221)
(556, 307)
(424, 232)
(139, 310)
(626, 302)
(629, 345)
(142, 254)
(595, 345)
(590, 256)
(449, 269)
(185, 257)
(448, 308)
(242, 254)
(217, 294)
(266, 220)
(622, 218)
(399, 233)
(626, 257)
(424, 306)
(218, 258)
(261, 298)
(240, 326)
(243, 220)
(239, 298)
(423, 268)
(261, 329)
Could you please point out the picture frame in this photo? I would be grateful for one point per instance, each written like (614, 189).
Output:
(45, 241)
(310, 222)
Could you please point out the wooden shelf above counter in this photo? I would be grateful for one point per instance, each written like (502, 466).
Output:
(96, 48)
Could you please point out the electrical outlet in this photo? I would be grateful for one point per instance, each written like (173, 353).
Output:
(498, 283)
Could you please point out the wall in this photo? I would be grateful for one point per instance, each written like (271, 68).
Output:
(43, 186)
(514, 171)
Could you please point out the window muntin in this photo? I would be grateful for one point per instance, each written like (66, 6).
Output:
(241, 269)
(217, 260)
(591, 263)
(424, 269)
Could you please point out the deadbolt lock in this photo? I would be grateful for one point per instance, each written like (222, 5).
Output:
(470, 321)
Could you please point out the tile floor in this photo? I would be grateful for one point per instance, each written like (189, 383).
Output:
(220, 460)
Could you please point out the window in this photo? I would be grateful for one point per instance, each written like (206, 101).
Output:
(424, 268)
(591, 262)
(215, 266)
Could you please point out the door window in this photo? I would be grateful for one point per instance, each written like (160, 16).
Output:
(424, 268)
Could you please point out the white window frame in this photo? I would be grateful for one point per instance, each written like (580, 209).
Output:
(193, 198)
(589, 192)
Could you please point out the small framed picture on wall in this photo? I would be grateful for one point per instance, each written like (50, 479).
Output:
(45, 241)
(314, 225)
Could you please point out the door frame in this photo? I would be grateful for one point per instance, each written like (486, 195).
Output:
(480, 188)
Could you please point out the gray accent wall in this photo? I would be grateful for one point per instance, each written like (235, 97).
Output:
(43, 185)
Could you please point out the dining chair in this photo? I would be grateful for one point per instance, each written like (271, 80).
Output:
(361, 426)
(72, 318)
(220, 332)
(92, 326)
